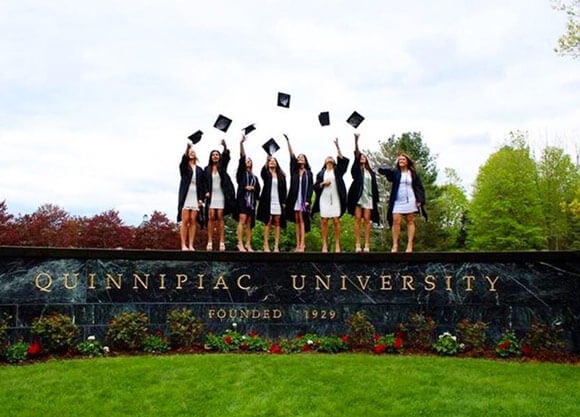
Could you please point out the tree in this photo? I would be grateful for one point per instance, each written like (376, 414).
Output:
(47, 226)
(558, 180)
(157, 232)
(429, 236)
(106, 230)
(506, 213)
(569, 43)
(8, 231)
(453, 204)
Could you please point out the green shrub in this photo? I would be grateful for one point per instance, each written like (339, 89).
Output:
(360, 331)
(3, 335)
(472, 335)
(56, 332)
(447, 344)
(127, 331)
(508, 346)
(389, 343)
(17, 352)
(155, 344)
(90, 347)
(543, 337)
(332, 344)
(184, 328)
(419, 331)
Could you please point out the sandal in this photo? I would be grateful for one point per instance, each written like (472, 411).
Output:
(222, 246)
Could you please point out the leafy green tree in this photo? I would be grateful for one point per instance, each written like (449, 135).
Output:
(569, 42)
(558, 181)
(505, 212)
(430, 235)
(453, 204)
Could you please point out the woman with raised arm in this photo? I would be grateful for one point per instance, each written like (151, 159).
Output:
(220, 194)
(272, 200)
(191, 194)
(299, 195)
(247, 197)
(363, 196)
(330, 196)
(407, 198)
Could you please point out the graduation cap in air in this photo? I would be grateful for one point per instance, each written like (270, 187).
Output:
(195, 137)
(355, 119)
(249, 129)
(324, 118)
(222, 123)
(271, 147)
(283, 100)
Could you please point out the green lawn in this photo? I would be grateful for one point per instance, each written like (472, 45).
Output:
(289, 385)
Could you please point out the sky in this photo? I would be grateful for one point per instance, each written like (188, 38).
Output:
(97, 98)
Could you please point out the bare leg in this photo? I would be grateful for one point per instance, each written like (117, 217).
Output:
(357, 220)
(410, 231)
(220, 226)
(192, 229)
(276, 233)
(336, 222)
(367, 216)
(267, 236)
(210, 227)
(183, 228)
(324, 233)
(396, 231)
(249, 234)
(240, 232)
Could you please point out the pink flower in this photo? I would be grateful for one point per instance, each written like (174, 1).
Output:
(398, 344)
(228, 340)
(275, 349)
(344, 339)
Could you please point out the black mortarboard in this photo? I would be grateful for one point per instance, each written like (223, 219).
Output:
(249, 129)
(222, 123)
(355, 119)
(283, 100)
(324, 118)
(271, 147)
(195, 137)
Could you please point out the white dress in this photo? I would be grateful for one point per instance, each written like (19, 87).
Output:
(275, 208)
(405, 201)
(217, 194)
(329, 198)
(191, 198)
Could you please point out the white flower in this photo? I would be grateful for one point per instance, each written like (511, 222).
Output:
(244, 337)
(454, 338)
(106, 349)
(91, 338)
(310, 342)
(234, 325)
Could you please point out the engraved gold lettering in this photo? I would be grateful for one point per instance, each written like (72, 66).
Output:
(43, 282)
(181, 278)
(343, 279)
(221, 282)
(92, 277)
(240, 286)
(295, 286)
(386, 284)
(69, 286)
(162, 282)
(448, 283)
(200, 282)
(365, 283)
(407, 283)
(430, 283)
(324, 281)
(138, 280)
(469, 279)
(492, 283)
(111, 279)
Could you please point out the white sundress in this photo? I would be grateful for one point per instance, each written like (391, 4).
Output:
(275, 208)
(191, 198)
(329, 197)
(405, 201)
(217, 194)
(366, 198)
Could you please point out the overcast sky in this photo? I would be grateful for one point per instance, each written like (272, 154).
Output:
(97, 98)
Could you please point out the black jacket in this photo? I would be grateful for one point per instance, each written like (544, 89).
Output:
(186, 173)
(394, 176)
(339, 171)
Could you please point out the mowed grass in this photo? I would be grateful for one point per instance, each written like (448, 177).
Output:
(289, 385)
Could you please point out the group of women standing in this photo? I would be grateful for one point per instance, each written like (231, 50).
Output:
(207, 195)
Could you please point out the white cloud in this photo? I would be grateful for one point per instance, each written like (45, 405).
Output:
(96, 100)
